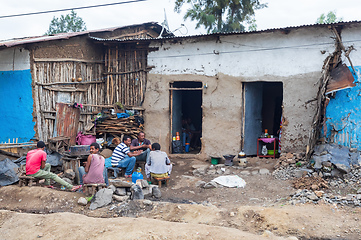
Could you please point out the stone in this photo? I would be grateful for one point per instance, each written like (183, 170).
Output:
(137, 192)
(300, 155)
(292, 238)
(156, 192)
(142, 183)
(350, 197)
(102, 198)
(263, 171)
(211, 171)
(113, 188)
(226, 171)
(300, 172)
(359, 191)
(319, 193)
(291, 161)
(82, 201)
(69, 173)
(147, 202)
(327, 164)
(336, 173)
(343, 168)
(210, 185)
(289, 155)
(255, 172)
(200, 169)
(119, 183)
(68, 180)
(246, 172)
(200, 183)
(147, 191)
(120, 198)
(314, 187)
(312, 196)
(121, 191)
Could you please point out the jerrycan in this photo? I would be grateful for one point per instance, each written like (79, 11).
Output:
(137, 175)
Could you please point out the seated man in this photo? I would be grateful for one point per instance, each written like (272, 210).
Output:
(158, 163)
(36, 167)
(123, 158)
(94, 167)
(141, 143)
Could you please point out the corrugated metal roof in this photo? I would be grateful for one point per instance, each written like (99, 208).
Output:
(265, 30)
(60, 36)
(225, 34)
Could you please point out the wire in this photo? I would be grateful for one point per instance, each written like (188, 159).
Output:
(257, 49)
(67, 9)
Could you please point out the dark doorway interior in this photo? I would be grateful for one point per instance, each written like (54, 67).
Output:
(187, 113)
(263, 110)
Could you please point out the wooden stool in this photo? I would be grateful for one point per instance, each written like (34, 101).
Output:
(27, 181)
(159, 180)
(92, 188)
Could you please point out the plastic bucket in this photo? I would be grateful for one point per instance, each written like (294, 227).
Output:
(214, 160)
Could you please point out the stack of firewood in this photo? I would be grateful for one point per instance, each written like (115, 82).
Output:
(119, 126)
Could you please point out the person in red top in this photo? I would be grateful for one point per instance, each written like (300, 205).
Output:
(36, 167)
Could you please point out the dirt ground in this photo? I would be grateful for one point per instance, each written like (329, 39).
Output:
(185, 211)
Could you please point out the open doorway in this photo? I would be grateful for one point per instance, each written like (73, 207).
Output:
(262, 110)
(186, 116)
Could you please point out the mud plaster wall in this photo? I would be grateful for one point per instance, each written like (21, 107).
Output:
(77, 47)
(294, 59)
(343, 113)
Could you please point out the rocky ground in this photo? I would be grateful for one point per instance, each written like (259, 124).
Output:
(274, 204)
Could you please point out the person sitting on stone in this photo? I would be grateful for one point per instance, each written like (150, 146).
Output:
(93, 172)
(123, 158)
(37, 167)
(158, 164)
(141, 143)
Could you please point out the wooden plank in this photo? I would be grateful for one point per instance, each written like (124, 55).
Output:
(66, 60)
(69, 83)
(55, 89)
(190, 89)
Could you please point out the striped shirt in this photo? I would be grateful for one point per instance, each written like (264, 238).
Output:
(119, 153)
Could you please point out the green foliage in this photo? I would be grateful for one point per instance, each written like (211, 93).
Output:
(68, 23)
(329, 18)
(221, 15)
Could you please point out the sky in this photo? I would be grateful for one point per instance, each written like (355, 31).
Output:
(278, 14)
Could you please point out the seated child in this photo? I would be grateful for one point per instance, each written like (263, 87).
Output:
(158, 163)
(94, 167)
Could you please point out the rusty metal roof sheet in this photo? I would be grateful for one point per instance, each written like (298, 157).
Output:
(60, 36)
(158, 28)
(285, 29)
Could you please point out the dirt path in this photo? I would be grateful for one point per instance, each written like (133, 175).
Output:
(185, 211)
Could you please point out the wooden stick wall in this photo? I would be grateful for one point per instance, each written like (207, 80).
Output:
(65, 74)
(126, 75)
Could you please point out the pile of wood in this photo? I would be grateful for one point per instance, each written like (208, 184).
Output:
(119, 126)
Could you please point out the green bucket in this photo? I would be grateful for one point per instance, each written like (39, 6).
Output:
(214, 160)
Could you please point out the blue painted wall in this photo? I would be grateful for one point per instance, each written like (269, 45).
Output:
(16, 104)
(343, 115)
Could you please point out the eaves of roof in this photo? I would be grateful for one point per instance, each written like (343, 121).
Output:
(61, 36)
(285, 29)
